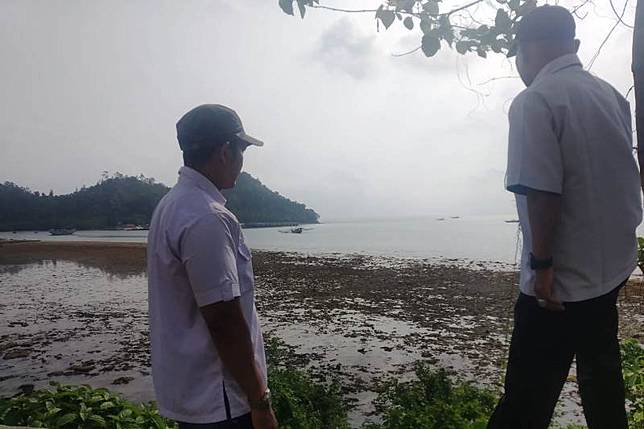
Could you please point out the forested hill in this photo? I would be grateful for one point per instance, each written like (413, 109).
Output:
(119, 200)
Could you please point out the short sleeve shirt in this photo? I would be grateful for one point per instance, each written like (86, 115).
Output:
(570, 134)
(196, 257)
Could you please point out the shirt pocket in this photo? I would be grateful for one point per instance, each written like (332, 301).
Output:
(245, 268)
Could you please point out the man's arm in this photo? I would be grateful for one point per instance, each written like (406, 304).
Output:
(230, 334)
(544, 212)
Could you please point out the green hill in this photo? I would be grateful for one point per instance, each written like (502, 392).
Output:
(119, 200)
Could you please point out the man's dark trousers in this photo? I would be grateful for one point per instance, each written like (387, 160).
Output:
(541, 351)
(243, 422)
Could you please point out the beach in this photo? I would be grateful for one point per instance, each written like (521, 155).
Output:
(76, 312)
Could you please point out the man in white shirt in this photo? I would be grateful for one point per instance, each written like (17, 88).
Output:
(577, 186)
(208, 363)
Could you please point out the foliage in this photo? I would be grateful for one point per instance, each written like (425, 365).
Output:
(640, 253)
(119, 199)
(633, 369)
(79, 406)
(298, 401)
(253, 202)
(441, 24)
(432, 401)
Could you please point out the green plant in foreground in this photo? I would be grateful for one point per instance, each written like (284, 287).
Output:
(432, 401)
(79, 407)
(300, 403)
(633, 369)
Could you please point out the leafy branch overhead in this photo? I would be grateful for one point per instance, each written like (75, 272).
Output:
(441, 23)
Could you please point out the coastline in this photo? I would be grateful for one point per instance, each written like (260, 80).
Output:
(354, 317)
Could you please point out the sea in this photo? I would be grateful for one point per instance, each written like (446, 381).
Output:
(474, 238)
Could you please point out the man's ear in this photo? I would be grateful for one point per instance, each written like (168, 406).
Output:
(577, 43)
(225, 153)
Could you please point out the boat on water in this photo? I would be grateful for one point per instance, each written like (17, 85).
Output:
(297, 230)
(62, 231)
(512, 221)
(131, 227)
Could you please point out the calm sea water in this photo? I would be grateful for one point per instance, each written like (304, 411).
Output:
(483, 238)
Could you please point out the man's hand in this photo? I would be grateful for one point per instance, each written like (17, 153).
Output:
(264, 419)
(543, 289)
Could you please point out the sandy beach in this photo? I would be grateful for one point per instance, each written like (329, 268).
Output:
(77, 312)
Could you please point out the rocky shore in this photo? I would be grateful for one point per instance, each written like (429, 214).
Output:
(77, 313)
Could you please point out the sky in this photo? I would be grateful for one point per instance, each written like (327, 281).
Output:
(351, 130)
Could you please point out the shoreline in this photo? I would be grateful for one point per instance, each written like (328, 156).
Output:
(355, 317)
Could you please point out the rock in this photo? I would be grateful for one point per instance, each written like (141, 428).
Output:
(83, 368)
(15, 354)
(123, 380)
(26, 388)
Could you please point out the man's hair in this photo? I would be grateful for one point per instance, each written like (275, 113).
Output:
(197, 158)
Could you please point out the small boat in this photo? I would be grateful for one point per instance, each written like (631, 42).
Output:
(512, 221)
(297, 230)
(62, 231)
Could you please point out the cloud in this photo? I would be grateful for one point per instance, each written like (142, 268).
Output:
(343, 48)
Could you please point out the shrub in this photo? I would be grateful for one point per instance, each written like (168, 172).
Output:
(79, 406)
(432, 401)
(633, 369)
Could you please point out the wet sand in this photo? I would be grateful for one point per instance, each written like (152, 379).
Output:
(77, 312)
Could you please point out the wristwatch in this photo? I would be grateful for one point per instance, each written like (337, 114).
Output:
(540, 264)
(263, 403)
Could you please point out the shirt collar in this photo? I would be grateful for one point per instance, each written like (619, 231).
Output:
(192, 176)
(558, 64)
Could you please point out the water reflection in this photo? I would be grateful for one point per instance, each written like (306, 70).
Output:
(119, 263)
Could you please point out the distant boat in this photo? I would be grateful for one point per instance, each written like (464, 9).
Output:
(62, 231)
(512, 221)
(455, 217)
(131, 227)
(297, 230)
(440, 219)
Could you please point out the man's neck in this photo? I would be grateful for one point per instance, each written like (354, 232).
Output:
(211, 176)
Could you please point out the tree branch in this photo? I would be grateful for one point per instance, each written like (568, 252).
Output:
(407, 53)
(610, 33)
(336, 9)
(612, 5)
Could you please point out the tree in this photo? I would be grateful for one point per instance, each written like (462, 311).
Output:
(493, 29)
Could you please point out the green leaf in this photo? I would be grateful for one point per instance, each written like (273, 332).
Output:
(432, 8)
(527, 7)
(498, 45)
(66, 419)
(408, 23)
(462, 47)
(386, 16)
(426, 25)
(287, 6)
(106, 405)
(502, 21)
(98, 420)
(407, 5)
(301, 4)
(430, 45)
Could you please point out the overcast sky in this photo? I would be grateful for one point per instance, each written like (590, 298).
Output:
(350, 130)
